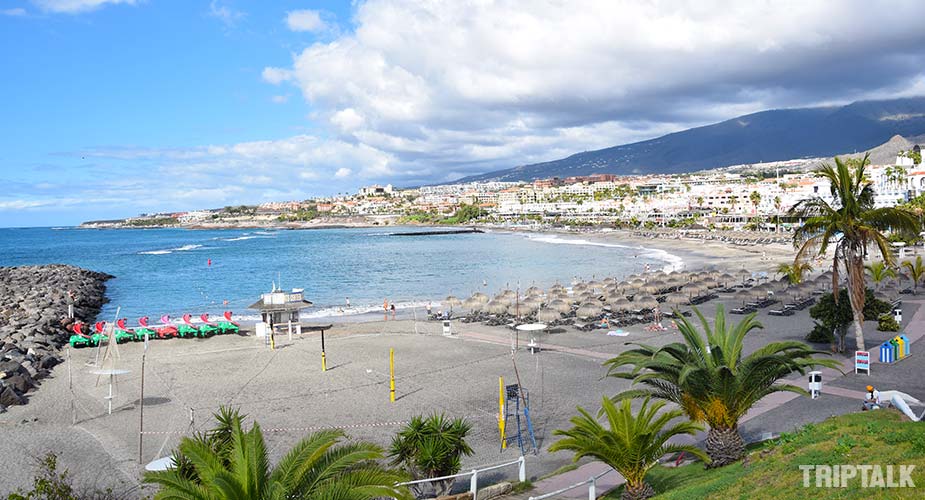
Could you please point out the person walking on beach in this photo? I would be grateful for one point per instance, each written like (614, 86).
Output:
(429, 309)
(385, 309)
(347, 300)
(392, 307)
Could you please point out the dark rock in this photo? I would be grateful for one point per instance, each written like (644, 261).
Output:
(22, 383)
(9, 397)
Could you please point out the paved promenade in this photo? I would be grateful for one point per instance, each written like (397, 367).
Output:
(914, 330)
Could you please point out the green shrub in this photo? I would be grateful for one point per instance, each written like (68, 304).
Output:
(886, 323)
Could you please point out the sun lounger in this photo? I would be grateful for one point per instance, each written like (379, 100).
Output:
(742, 310)
(781, 312)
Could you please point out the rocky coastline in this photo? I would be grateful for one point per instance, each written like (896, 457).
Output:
(34, 321)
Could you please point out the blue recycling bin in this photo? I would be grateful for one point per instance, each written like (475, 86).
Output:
(886, 352)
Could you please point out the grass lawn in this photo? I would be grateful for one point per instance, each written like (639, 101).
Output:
(772, 470)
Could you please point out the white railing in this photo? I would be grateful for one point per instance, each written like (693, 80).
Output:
(474, 480)
(591, 482)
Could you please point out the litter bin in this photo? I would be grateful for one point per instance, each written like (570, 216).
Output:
(900, 347)
(446, 327)
(898, 315)
(896, 349)
(815, 384)
(886, 352)
(905, 345)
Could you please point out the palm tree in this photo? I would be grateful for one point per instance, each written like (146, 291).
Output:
(777, 204)
(916, 271)
(431, 447)
(794, 272)
(755, 198)
(632, 444)
(850, 223)
(317, 467)
(710, 379)
(879, 271)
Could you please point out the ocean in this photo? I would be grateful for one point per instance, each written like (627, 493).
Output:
(176, 271)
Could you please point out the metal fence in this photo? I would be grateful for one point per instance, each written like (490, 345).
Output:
(474, 480)
(591, 482)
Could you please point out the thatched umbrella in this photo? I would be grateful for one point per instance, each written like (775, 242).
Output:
(495, 307)
(547, 315)
(645, 302)
(725, 278)
(473, 304)
(533, 291)
(744, 295)
(533, 303)
(560, 306)
(481, 297)
(589, 310)
(693, 289)
(743, 274)
(452, 301)
(677, 299)
(621, 304)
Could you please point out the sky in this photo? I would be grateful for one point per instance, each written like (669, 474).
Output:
(111, 108)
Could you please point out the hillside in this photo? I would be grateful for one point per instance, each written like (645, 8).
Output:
(774, 135)
(882, 437)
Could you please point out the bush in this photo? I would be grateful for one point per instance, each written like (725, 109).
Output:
(820, 334)
(51, 484)
(838, 317)
(886, 323)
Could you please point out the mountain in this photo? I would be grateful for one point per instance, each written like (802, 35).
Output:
(774, 135)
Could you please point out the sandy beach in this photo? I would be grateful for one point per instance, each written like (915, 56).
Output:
(286, 391)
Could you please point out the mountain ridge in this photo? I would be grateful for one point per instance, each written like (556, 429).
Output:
(764, 136)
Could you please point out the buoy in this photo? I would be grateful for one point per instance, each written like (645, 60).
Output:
(210, 262)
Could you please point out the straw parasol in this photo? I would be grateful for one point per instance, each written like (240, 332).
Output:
(472, 304)
(495, 307)
(547, 315)
(452, 301)
(560, 306)
(588, 310)
(677, 299)
(646, 302)
(621, 304)
(481, 297)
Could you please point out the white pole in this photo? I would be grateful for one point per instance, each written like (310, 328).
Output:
(474, 484)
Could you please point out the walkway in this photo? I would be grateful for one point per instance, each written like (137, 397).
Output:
(914, 330)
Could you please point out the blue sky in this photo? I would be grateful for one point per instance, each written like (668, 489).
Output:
(109, 108)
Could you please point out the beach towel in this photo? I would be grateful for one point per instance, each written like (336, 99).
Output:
(617, 333)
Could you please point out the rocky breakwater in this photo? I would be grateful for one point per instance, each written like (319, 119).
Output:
(34, 321)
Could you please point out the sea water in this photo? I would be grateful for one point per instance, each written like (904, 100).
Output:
(176, 271)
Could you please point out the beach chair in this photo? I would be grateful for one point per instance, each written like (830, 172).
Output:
(98, 336)
(187, 330)
(143, 330)
(167, 331)
(79, 339)
(208, 328)
(228, 326)
(785, 311)
(122, 333)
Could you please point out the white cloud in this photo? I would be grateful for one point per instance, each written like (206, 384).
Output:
(463, 86)
(305, 20)
(280, 99)
(75, 6)
(343, 172)
(225, 14)
(14, 12)
(276, 75)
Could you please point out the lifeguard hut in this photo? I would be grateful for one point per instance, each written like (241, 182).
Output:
(280, 309)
